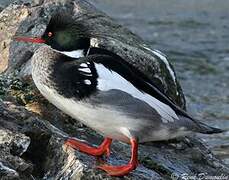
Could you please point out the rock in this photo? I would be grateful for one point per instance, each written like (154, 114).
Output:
(9, 21)
(32, 144)
(13, 145)
(31, 20)
(5, 3)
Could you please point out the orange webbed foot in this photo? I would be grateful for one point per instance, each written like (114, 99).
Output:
(123, 169)
(104, 148)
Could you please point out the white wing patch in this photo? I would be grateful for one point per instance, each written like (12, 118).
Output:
(86, 70)
(108, 80)
(83, 67)
(87, 81)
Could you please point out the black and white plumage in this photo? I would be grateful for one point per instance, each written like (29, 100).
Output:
(110, 96)
(105, 92)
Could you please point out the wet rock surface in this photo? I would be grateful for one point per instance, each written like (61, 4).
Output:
(32, 131)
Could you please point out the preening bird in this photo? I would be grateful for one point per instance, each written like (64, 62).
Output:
(104, 92)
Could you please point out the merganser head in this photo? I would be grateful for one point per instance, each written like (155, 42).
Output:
(63, 34)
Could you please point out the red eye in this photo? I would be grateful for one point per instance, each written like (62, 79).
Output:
(50, 34)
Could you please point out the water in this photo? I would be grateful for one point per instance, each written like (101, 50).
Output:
(195, 36)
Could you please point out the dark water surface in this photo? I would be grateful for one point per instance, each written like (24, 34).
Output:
(195, 36)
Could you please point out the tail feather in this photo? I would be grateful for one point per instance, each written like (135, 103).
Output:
(205, 129)
(198, 126)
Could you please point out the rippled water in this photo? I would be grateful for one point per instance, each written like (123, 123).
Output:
(195, 36)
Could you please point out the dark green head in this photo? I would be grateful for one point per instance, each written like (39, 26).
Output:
(63, 33)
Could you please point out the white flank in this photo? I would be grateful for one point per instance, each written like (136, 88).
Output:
(164, 59)
(105, 120)
(98, 118)
(111, 80)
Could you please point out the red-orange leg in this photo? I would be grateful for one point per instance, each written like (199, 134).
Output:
(104, 148)
(124, 169)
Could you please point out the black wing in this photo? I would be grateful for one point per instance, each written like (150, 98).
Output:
(137, 78)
